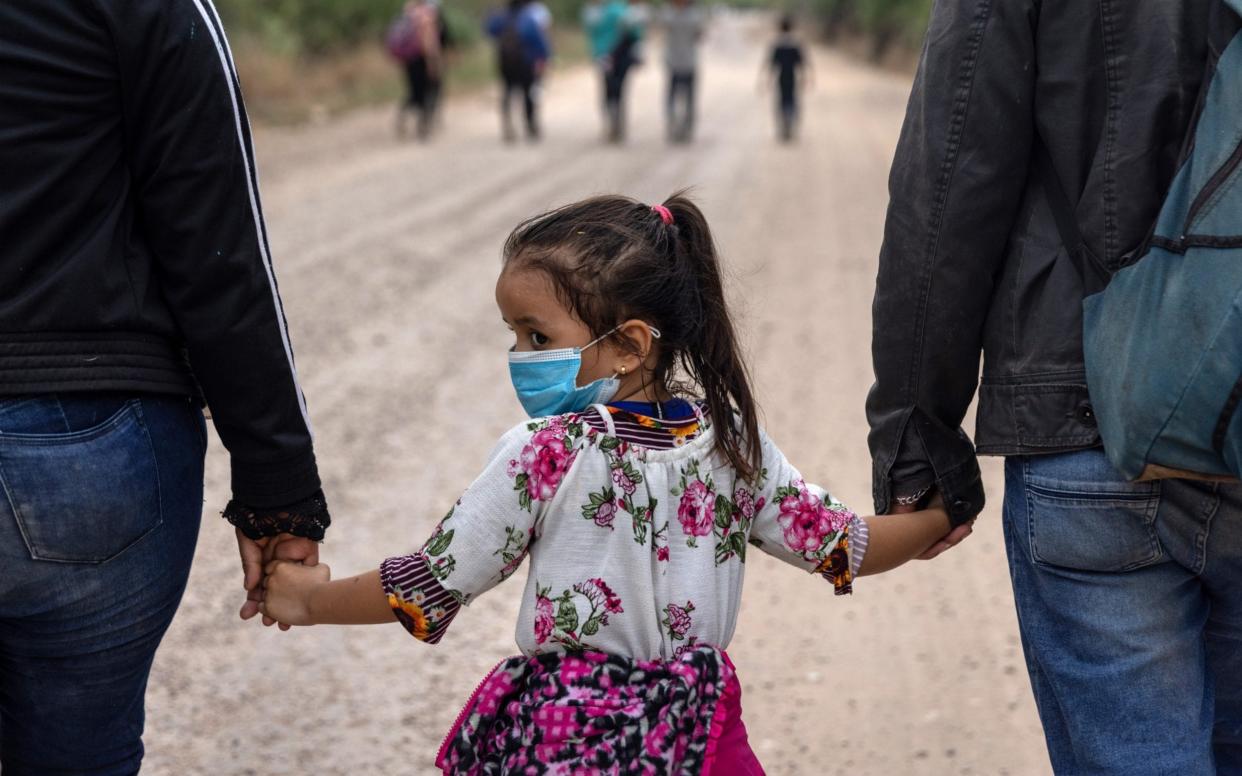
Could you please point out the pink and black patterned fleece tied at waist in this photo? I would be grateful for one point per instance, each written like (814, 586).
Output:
(590, 712)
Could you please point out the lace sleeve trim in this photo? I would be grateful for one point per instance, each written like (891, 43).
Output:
(307, 518)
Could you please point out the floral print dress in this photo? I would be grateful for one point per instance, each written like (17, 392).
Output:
(635, 550)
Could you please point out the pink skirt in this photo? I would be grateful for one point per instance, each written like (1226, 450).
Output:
(728, 751)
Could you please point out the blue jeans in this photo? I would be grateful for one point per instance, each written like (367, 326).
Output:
(1129, 601)
(100, 502)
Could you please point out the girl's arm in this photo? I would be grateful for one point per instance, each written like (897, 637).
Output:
(305, 595)
(894, 539)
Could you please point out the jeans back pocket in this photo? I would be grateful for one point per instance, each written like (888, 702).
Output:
(84, 496)
(1089, 518)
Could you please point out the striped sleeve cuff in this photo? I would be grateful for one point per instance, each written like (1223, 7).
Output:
(421, 604)
(858, 544)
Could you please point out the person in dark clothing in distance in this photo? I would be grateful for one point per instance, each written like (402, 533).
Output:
(522, 53)
(789, 67)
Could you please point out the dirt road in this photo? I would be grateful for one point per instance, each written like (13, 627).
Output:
(386, 255)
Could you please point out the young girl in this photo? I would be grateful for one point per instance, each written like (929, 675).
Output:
(636, 504)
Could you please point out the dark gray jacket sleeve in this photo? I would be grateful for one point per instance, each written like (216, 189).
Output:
(955, 186)
(193, 169)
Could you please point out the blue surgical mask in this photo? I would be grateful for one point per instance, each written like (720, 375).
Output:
(546, 381)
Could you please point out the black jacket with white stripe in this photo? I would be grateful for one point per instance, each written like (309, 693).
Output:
(133, 255)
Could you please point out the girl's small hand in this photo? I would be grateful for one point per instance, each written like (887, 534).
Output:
(289, 589)
(950, 540)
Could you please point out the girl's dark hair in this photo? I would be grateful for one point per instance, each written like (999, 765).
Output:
(612, 259)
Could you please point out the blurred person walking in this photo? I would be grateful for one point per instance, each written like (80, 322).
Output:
(135, 282)
(789, 67)
(1041, 137)
(601, 21)
(522, 52)
(683, 22)
(543, 16)
(615, 37)
(417, 39)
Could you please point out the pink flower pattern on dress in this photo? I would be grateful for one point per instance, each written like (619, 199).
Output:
(697, 509)
(746, 504)
(677, 619)
(689, 646)
(600, 595)
(806, 522)
(543, 462)
(623, 481)
(545, 619)
(606, 513)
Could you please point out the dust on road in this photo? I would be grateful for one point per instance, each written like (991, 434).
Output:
(386, 255)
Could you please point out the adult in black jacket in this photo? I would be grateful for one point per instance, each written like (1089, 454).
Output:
(1129, 595)
(135, 282)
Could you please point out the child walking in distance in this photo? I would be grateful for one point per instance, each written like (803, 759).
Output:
(637, 489)
(788, 65)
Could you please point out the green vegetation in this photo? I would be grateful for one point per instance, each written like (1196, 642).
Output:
(887, 24)
(316, 28)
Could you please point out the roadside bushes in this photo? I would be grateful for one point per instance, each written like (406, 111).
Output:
(887, 24)
(307, 27)
(316, 28)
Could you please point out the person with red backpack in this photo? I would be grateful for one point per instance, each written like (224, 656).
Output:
(416, 39)
(522, 54)
(1041, 142)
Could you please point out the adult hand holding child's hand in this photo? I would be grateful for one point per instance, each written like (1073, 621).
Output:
(950, 540)
(256, 553)
(288, 588)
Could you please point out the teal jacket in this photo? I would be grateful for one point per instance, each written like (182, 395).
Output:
(605, 25)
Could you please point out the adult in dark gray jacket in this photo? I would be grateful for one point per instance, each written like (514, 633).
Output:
(1129, 595)
(135, 282)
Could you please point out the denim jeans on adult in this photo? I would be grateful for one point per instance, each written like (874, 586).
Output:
(100, 503)
(1129, 603)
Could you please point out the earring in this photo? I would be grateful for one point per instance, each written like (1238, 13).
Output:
(622, 371)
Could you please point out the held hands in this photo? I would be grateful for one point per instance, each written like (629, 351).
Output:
(950, 540)
(288, 588)
(256, 554)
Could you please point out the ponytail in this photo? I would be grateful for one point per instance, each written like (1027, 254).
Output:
(711, 355)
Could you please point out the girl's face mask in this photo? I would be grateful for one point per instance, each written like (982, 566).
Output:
(546, 381)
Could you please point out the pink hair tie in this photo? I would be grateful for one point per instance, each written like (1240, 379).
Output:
(665, 214)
